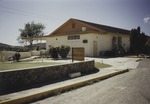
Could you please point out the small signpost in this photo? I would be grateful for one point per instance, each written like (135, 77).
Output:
(78, 54)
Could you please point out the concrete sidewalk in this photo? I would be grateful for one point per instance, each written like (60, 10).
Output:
(56, 88)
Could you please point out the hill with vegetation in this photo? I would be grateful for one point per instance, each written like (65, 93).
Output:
(5, 47)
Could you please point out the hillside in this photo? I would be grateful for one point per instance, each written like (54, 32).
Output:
(5, 46)
(21, 48)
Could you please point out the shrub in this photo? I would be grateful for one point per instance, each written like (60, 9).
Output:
(109, 53)
(47, 54)
(64, 51)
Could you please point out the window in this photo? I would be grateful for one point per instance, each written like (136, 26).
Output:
(74, 37)
(114, 43)
(119, 41)
(73, 25)
(85, 41)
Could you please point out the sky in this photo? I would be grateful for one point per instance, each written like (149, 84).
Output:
(125, 14)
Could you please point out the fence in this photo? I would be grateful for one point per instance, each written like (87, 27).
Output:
(22, 78)
(4, 55)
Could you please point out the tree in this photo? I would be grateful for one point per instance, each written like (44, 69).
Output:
(137, 41)
(31, 30)
(21, 41)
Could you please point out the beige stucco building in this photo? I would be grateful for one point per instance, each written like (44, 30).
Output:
(95, 38)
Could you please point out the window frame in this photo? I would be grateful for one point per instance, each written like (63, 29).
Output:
(119, 41)
(73, 37)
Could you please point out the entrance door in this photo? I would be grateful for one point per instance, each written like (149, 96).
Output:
(94, 48)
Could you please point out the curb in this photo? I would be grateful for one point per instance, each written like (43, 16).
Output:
(56, 91)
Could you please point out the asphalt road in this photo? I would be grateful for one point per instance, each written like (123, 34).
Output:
(132, 87)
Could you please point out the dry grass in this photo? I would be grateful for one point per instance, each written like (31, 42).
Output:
(101, 65)
(17, 65)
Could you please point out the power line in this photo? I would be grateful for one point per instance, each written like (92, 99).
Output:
(24, 14)
(21, 12)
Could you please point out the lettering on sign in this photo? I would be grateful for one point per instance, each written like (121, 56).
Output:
(78, 54)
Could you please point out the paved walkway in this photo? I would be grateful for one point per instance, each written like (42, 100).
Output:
(118, 65)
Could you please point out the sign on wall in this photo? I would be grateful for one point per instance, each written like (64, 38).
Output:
(78, 54)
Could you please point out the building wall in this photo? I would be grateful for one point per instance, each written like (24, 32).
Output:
(104, 42)
(63, 40)
(126, 42)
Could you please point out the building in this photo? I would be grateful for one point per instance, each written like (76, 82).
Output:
(95, 38)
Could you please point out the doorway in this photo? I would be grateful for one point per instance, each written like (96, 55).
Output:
(94, 48)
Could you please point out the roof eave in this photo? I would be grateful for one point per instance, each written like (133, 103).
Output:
(35, 38)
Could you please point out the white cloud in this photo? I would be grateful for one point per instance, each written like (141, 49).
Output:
(146, 19)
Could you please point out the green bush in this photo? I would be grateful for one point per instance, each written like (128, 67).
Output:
(64, 51)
